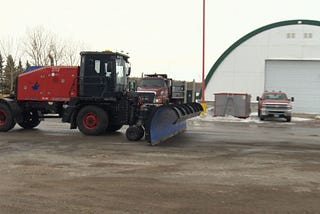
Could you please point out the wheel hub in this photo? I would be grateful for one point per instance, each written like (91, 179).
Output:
(90, 120)
(2, 118)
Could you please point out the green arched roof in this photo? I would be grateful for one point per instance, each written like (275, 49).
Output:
(252, 34)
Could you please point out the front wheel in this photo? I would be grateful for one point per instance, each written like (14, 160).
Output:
(92, 120)
(30, 120)
(134, 133)
(6, 119)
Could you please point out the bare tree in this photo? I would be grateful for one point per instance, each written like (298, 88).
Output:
(37, 46)
(56, 51)
(10, 46)
(40, 47)
(72, 52)
(44, 48)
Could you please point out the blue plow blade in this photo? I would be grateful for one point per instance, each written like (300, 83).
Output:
(169, 120)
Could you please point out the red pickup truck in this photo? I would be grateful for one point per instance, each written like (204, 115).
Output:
(275, 104)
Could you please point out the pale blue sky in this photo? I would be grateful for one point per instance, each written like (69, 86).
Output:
(163, 36)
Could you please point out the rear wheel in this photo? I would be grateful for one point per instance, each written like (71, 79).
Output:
(6, 119)
(92, 120)
(30, 120)
(134, 133)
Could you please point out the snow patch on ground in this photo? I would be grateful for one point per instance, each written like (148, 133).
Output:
(301, 119)
(253, 118)
(227, 118)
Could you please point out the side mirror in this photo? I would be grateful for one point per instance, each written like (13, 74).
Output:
(258, 98)
(292, 99)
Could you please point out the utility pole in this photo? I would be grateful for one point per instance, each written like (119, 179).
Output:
(203, 103)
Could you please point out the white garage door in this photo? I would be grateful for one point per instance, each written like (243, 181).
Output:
(299, 78)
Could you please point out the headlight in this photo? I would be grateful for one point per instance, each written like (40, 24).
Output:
(158, 100)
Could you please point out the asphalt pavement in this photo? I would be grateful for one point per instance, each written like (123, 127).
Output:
(218, 165)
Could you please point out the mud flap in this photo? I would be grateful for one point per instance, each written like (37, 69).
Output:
(167, 121)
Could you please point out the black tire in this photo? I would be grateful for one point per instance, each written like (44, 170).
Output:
(30, 120)
(113, 128)
(134, 133)
(7, 121)
(92, 120)
(261, 118)
(288, 119)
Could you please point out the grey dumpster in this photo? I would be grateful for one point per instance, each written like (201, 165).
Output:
(234, 104)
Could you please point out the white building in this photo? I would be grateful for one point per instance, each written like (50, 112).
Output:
(281, 56)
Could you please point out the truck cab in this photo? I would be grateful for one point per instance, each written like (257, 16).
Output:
(103, 74)
(155, 88)
(159, 89)
(275, 104)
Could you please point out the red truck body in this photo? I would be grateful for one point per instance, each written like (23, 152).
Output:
(49, 83)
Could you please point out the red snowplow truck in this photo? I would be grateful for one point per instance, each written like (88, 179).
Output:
(92, 97)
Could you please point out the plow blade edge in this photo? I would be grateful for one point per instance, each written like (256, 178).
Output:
(167, 121)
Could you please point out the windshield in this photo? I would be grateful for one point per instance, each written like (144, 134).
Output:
(121, 74)
(152, 83)
(276, 96)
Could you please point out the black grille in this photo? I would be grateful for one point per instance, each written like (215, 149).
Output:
(278, 106)
(147, 97)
